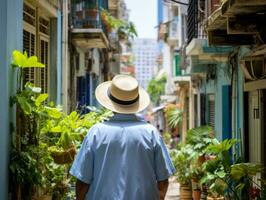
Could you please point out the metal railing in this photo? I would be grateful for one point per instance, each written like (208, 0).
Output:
(192, 23)
(195, 22)
(87, 13)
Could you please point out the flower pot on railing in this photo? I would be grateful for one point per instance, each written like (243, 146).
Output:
(91, 13)
(79, 14)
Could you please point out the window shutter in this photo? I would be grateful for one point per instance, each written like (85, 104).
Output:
(202, 109)
(29, 40)
(44, 53)
(211, 114)
(44, 46)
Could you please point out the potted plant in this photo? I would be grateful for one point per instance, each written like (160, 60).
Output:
(196, 173)
(181, 159)
(242, 175)
(217, 170)
(200, 138)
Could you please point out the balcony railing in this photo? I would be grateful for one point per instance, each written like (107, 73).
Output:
(192, 20)
(87, 13)
(196, 20)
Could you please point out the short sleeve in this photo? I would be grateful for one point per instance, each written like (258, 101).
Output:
(164, 167)
(82, 167)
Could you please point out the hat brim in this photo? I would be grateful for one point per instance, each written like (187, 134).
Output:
(101, 94)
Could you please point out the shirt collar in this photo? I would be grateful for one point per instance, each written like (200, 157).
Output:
(124, 117)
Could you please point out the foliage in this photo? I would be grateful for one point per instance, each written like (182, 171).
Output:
(218, 172)
(167, 138)
(200, 138)
(242, 175)
(156, 88)
(125, 29)
(111, 21)
(181, 159)
(23, 61)
(41, 126)
(218, 169)
(174, 117)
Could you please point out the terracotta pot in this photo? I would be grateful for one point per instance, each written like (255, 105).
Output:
(45, 197)
(214, 198)
(91, 13)
(201, 160)
(185, 192)
(196, 194)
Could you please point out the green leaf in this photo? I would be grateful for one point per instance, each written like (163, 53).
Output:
(24, 104)
(221, 174)
(240, 186)
(23, 61)
(53, 112)
(41, 98)
(56, 129)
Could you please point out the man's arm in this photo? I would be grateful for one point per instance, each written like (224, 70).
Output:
(162, 186)
(81, 190)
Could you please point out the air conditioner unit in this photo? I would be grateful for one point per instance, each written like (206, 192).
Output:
(254, 69)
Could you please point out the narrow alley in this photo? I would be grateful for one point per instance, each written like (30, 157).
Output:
(88, 86)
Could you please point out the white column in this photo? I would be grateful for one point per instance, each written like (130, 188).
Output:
(65, 58)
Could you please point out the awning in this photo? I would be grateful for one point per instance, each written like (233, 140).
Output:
(156, 109)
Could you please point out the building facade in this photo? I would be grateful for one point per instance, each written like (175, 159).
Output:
(144, 51)
(33, 27)
(225, 56)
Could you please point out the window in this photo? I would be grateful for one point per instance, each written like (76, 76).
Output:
(36, 42)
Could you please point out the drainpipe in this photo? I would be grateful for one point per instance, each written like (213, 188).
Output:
(59, 58)
(234, 97)
(65, 64)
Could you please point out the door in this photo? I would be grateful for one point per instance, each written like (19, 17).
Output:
(255, 127)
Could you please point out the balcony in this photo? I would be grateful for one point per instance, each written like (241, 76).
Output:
(237, 22)
(87, 28)
(172, 38)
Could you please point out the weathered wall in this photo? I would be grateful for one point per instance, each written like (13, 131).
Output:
(11, 38)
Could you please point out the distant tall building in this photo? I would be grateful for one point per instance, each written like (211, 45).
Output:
(145, 52)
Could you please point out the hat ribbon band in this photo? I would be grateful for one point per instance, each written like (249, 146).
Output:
(121, 102)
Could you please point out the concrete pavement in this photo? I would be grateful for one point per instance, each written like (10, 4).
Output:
(173, 190)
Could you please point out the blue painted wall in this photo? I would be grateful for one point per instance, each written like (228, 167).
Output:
(216, 87)
(11, 38)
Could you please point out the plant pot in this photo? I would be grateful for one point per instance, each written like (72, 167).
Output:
(185, 192)
(214, 198)
(45, 197)
(201, 160)
(64, 157)
(91, 13)
(196, 194)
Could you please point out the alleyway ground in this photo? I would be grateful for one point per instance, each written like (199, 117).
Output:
(173, 190)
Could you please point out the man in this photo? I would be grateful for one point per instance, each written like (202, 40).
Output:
(124, 158)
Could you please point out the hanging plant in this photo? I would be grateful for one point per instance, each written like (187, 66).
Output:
(173, 117)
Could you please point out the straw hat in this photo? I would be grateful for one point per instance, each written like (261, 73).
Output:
(122, 95)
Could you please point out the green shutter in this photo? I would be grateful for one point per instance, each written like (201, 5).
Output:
(177, 65)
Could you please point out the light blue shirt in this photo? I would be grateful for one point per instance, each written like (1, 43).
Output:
(122, 159)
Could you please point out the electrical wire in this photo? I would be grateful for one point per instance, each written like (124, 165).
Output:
(178, 2)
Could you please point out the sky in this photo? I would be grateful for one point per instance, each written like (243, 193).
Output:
(144, 15)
